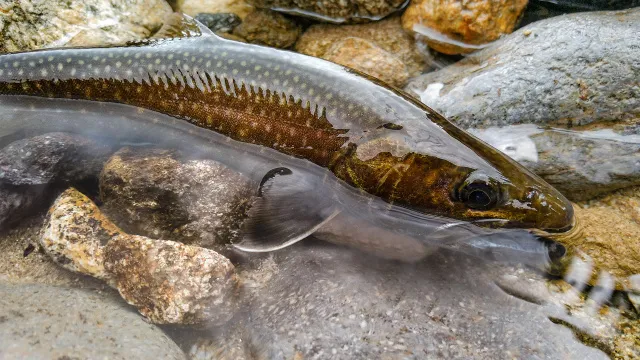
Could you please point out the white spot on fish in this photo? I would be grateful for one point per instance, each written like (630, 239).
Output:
(60, 66)
(43, 72)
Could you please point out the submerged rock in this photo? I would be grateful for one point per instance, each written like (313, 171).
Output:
(75, 233)
(158, 194)
(384, 39)
(47, 322)
(195, 7)
(460, 27)
(52, 157)
(269, 28)
(221, 22)
(317, 300)
(569, 70)
(592, 4)
(169, 283)
(33, 24)
(18, 202)
(173, 283)
(335, 11)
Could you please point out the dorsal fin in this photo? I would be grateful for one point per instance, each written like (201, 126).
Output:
(179, 25)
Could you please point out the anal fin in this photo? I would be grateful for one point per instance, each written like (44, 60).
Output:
(290, 206)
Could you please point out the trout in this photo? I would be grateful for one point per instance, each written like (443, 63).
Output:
(333, 152)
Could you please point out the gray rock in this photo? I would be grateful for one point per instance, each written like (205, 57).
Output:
(576, 69)
(581, 164)
(321, 301)
(16, 202)
(46, 322)
(159, 194)
(221, 22)
(592, 4)
(34, 24)
(52, 157)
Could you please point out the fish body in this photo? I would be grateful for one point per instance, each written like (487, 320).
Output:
(371, 148)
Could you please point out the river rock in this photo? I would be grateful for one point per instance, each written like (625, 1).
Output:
(17, 202)
(52, 157)
(334, 11)
(48, 322)
(314, 300)
(33, 24)
(160, 194)
(195, 7)
(365, 56)
(585, 75)
(221, 22)
(581, 164)
(173, 283)
(387, 38)
(592, 4)
(75, 232)
(269, 28)
(460, 27)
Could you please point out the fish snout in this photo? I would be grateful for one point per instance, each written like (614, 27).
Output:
(556, 213)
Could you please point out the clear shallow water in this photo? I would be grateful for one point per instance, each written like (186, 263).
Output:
(329, 301)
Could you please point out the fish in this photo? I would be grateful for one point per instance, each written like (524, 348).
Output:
(331, 150)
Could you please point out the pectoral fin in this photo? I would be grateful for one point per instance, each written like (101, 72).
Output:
(290, 206)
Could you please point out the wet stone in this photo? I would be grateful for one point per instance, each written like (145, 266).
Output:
(587, 74)
(460, 27)
(317, 300)
(336, 11)
(75, 233)
(18, 202)
(48, 322)
(33, 24)
(195, 7)
(173, 283)
(269, 28)
(160, 194)
(53, 157)
(221, 22)
(385, 37)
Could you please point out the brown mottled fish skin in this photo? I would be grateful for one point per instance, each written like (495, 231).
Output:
(374, 137)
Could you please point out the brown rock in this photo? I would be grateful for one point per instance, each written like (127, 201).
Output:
(335, 11)
(172, 283)
(75, 232)
(194, 7)
(158, 194)
(387, 34)
(269, 28)
(365, 56)
(460, 27)
(611, 233)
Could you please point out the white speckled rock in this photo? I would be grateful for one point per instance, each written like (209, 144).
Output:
(173, 283)
(75, 232)
(35, 24)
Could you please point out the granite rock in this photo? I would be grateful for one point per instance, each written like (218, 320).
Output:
(269, 28)
(195, 7)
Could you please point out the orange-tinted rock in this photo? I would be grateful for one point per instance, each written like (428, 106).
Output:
(460, 27)
(365, 56)
(269, 28)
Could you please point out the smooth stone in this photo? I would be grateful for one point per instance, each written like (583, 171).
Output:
(334, 11)
(587, 74)
(52, 157)
(221, 22)
(461, 27)
(35, 24)
(265, 27)
(195, 7)
(160, 194)
(47, 322)
(316, 300)
(18, 202)
(321, 40)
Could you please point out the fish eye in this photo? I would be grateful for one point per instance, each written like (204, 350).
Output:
(478, 193)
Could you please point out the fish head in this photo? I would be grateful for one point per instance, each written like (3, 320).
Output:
(492, 190)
